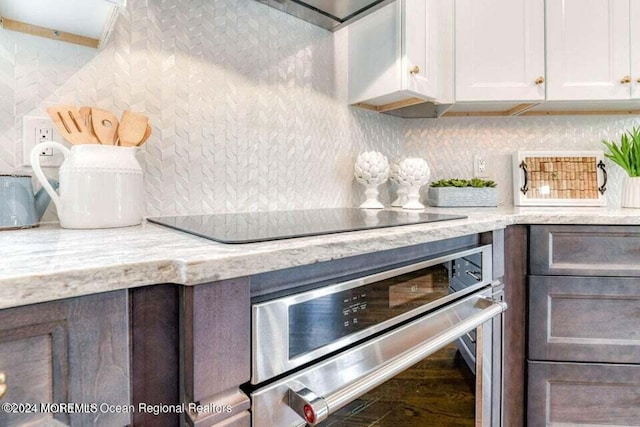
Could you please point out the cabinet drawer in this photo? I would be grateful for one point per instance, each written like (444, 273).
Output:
(572, 394)
(584, 319)
(578, 250)
(74, 350)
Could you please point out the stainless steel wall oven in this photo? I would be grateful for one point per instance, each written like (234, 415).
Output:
(413, 345)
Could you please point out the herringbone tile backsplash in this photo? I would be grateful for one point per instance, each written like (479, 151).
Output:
(248, 109)
(450, 144)
(247, 104)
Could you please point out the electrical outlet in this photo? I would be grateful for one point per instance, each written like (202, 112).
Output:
(36, 130)
(480, 168)
(43, 135)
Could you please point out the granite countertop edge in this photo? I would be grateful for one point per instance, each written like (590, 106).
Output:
(51, 263)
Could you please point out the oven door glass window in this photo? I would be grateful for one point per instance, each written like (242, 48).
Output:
(439, 391)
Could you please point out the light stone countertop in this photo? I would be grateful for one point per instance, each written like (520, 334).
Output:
(49, 263)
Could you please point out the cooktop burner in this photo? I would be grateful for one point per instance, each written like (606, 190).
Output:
(265, 226)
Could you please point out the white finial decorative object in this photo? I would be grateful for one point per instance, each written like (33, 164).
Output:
(401, 198)
(372, 169)
(413, 173)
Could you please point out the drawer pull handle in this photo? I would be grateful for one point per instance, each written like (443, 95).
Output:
(525, 186)
(603, 187)
(315, 408)
(539, 80)
(3, 384)
(414, 70)
(625, 80)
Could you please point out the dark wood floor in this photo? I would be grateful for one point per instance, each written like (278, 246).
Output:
(438, 391)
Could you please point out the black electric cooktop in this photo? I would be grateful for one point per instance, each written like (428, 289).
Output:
(266, 226)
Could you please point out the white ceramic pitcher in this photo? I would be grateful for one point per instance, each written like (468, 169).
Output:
(100, 185)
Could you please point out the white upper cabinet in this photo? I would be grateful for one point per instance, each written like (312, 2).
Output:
(635, 49)
(497, 57)
(420, 50)
(394, 55)
(588, 49)
(499, 52)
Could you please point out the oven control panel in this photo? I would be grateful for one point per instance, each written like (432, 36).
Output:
(323, 319)
(353, 306)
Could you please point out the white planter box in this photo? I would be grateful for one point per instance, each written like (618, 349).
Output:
(463, 196)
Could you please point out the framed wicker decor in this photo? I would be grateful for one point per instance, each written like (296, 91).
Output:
(559, 178)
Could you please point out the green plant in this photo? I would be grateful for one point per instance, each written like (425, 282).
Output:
(457, 182)
(627, 154)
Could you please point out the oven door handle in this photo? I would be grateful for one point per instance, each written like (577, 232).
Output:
(314, 408)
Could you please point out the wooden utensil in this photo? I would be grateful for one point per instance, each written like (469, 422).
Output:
(70, 125)
(105, 126)
(146, 136)
(85, 113)
(132, 128)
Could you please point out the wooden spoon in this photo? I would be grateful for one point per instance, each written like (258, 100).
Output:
(132, 128)
(85, 113)
(146, 136)
(105, 126)
(70, 125)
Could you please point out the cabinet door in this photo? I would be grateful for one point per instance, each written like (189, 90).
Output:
(580, 394)
(499, 50)
(374, 56)
(584, 250)
(420, 48)
(588, 56)
(584, 319)
(635, 49)
(74, 350)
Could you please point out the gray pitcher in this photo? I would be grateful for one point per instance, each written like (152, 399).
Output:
(19, 207)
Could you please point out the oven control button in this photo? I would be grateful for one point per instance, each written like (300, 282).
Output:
(346, 324)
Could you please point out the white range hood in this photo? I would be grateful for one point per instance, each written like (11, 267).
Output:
(329, 14)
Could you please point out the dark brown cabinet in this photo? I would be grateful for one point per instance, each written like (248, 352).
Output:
(583, 317)
(585, 250)
(74, 350)
(215, 343)
(579, 394)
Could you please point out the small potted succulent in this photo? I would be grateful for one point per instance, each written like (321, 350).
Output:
(627, 156)
(462, 192)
